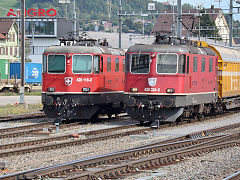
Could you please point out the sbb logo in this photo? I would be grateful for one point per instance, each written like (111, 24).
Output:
(34, 12)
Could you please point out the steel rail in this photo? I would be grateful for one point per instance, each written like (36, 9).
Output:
(149, 163)
(128, 154)
(73, 165)
(190, 136)
(70, 143)
(29, 129)
(64, 137)
(235, 176)
(21, 116)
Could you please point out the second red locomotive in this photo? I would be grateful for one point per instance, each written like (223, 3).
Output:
(171, 79)
(82, 79)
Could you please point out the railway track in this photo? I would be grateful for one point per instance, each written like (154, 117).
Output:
(137, 159)
(235, 176)
(28, 129)
(22, 116)
(70, 141)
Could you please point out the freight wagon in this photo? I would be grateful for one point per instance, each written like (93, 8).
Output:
(33, 72)
(10, 76)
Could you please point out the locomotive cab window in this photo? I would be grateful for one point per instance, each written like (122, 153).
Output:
(82, 64)
(117, 65)
(96, 64)
(203, 64)
(123, 65)
(56, 63)
(210, 64)
(108, 64)
(195, 61)
(140, 63)
(44, 63)
(167, 63)
(182, 64)
(127, 66)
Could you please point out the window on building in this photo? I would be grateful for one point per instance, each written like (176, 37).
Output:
(6, 53)
(13, 37)
(167, 63)
(56, 63)
(203, 64)
(182, 64)
(82, 64)
(117, 65)
(195, 62)
(140, 63)
(11, 51)
(108, 64)
(210, 64)
(39, 28)
(16, 52)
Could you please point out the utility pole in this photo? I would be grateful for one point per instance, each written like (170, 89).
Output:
(75, 18)
(120, 24)
(179, 18)
(22, 52)
(230, 23)
(18, 23)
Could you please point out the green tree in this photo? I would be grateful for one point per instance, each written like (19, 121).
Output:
(207, 21)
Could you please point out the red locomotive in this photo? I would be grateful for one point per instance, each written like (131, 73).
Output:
(170, 80)
(82, 78)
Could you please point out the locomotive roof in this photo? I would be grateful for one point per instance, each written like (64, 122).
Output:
(163, 48)
(85, 49)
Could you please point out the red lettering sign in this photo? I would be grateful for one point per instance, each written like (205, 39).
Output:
(34, 12)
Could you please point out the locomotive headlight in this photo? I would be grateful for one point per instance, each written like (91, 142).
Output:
(51, 89)
(85, 89)
(133, 89)
(170, 90)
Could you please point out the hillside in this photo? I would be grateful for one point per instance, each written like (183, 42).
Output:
(93, 9)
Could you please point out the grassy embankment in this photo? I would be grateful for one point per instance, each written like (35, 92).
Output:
(19, 109)
(11, 4)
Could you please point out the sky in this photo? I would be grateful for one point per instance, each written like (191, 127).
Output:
(224, 4)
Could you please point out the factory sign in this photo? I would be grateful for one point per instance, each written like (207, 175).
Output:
(34, 12)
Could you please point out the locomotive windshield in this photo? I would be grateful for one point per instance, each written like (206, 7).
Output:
(167, 63)
(56, 63)
(82, 64)
(140, 63)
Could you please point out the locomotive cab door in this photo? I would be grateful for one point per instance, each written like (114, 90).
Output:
(101, 75)
(189, 74)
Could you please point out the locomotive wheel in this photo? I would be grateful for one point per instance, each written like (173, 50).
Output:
(109, 115)
(201, 117)
(179, 119)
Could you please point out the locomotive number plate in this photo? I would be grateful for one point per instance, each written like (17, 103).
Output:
(152, 89)
(84, 79)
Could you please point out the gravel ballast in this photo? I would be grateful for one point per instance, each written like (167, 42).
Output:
(52, 157)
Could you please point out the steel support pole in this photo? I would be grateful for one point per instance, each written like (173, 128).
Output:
(230, 23)
(179, 17)
(75, 18)
(22, 52)
(120, 24)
